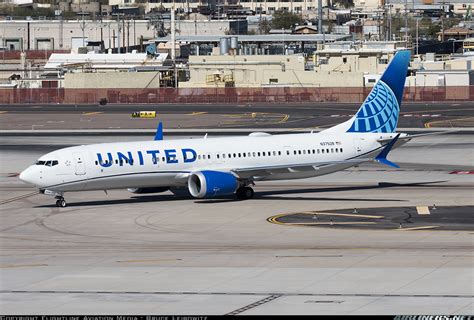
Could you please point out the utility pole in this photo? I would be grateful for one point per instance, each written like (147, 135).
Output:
(406, 23)
(173, 45)
(118, 32)
(417, 43)
(128, 35)
(123, 31)
(320, 16)
(83, 28)
(390, 22)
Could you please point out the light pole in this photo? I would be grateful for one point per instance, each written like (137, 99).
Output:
(417, 43)
(283, 36)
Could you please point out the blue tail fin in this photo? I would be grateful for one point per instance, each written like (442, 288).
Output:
(379, 112)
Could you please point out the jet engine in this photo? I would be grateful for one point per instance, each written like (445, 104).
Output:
(208, 184)
(148, 190)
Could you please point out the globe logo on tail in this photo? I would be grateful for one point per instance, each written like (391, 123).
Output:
(379, 113)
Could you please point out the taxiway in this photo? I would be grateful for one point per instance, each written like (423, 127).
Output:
(122, 253)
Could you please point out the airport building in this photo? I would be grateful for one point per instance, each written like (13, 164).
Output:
(106, 34)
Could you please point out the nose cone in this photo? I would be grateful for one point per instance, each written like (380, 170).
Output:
(28, 176)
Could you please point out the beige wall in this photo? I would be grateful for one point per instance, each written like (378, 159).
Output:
(112, 80)
(258, 71)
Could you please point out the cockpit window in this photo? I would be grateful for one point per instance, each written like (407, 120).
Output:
(48, 163)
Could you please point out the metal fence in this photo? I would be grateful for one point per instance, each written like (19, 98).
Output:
(222, 95)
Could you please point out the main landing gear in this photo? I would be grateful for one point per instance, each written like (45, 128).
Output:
(244, 193)
(60, 202)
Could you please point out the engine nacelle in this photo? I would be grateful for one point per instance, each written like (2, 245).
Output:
(208, 184)
(148, 190)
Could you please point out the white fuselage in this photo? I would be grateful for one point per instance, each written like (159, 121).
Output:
(168, 163)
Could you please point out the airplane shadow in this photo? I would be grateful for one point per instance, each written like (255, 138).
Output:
(274, 194)
(263, 195)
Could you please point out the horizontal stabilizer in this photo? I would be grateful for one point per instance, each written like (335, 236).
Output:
(413, 136)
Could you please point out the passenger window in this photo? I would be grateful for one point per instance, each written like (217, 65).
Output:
(96, 163)
(218, 156)
(263, 153)
(332, 150)
(318, 151)
(327, 150)
(341, 149)
(299, 151)
(322, 150)
(253, 154)
(258, 154)
(304, 151)
(209, 156)
(274, 153)
(294, 152)
(287, 153)
(279, 153)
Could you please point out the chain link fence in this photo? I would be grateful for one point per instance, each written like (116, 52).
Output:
(222, 95)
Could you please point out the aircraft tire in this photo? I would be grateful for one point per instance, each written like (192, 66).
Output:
(244, 193)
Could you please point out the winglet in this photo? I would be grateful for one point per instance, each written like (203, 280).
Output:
(159, 132)
(382, 156)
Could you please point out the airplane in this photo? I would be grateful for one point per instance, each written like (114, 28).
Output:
(230, 166)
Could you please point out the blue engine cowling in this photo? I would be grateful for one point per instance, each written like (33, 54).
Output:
(208, 184)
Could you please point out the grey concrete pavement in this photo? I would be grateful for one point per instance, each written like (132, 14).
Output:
(127, 253)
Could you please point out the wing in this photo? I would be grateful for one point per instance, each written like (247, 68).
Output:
(263, 171)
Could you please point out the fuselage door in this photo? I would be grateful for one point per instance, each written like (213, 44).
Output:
(79, 164)
(358, 145)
